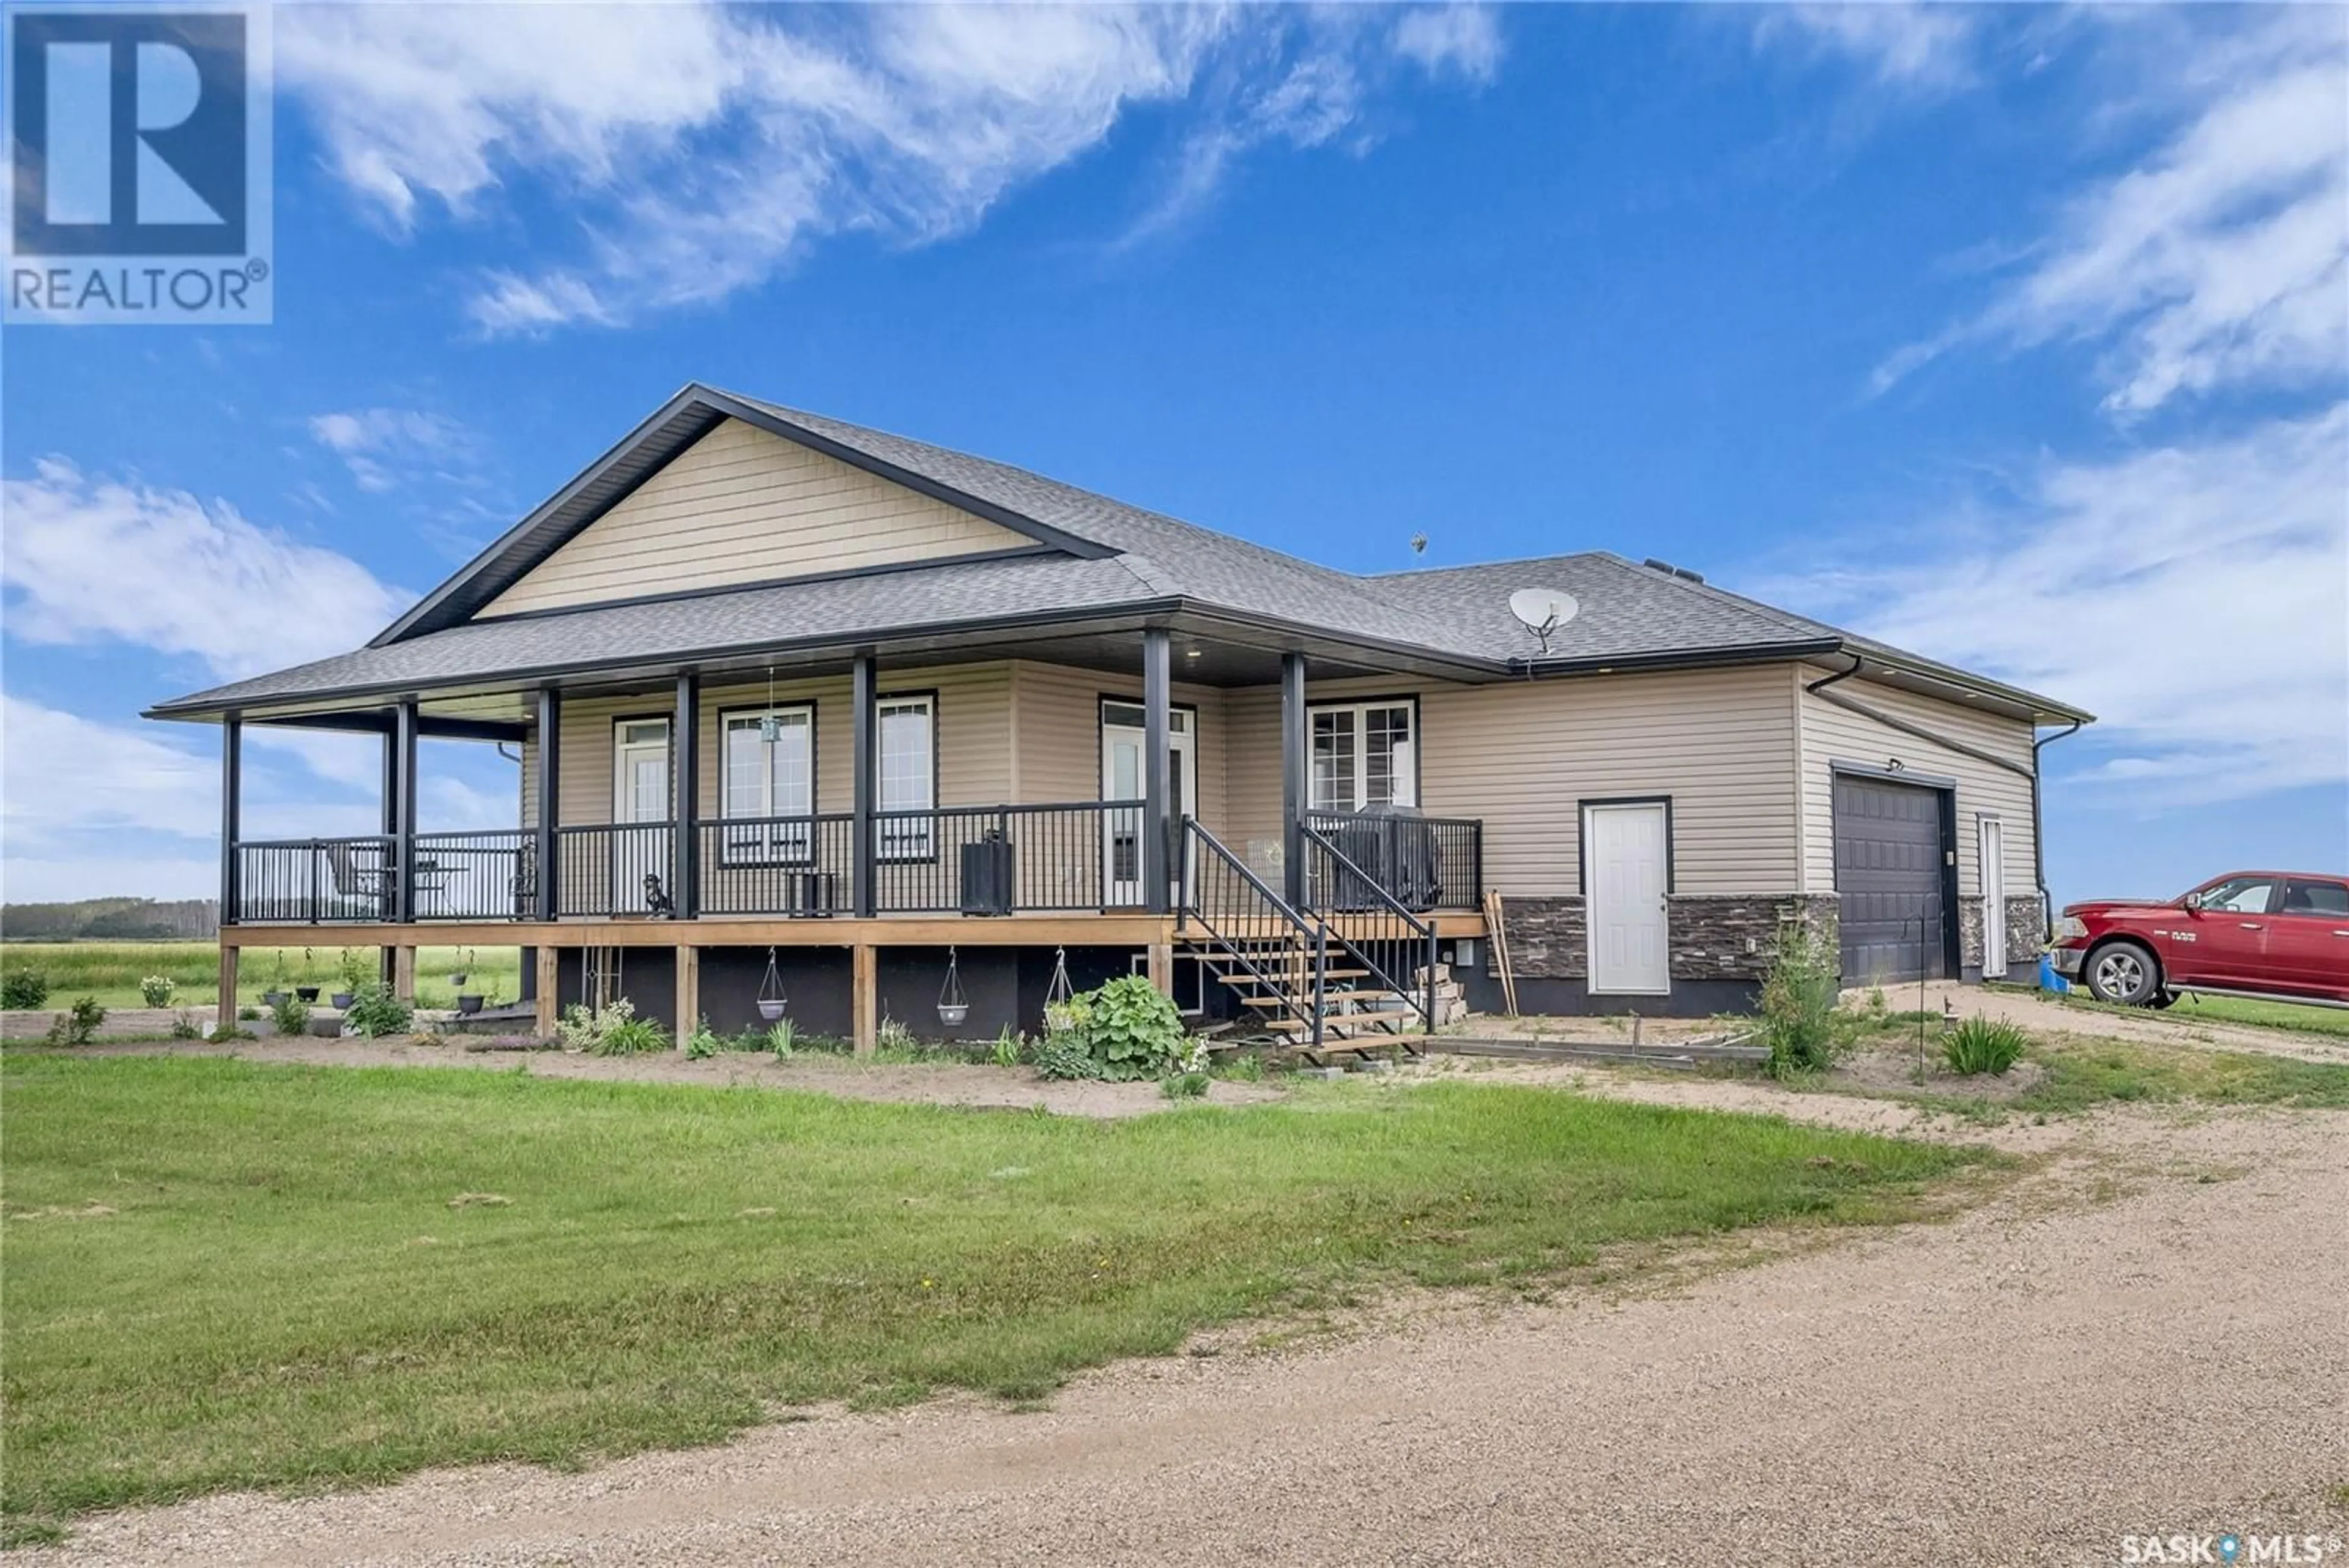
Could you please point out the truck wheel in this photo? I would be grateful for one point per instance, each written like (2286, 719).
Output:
(2122, 972)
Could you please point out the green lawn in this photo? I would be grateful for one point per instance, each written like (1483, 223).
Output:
(223, 1273)
(111, 971)
(2272, 1015)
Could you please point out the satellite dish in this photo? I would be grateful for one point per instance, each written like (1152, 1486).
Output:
(1543, 611)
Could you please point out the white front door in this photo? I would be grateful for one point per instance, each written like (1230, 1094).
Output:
(640, 774)
(1624, 854)
(1120, 779)
(1993, 898)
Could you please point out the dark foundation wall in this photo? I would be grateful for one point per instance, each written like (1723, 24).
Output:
(1572, 998)
(1720, 949)
(815, 984)
(646, 976)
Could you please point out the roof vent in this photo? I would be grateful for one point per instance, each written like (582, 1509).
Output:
(1670, 570)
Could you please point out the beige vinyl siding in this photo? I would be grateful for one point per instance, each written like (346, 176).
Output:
(742, 505)
(1832, 734)
(1522, 755)
(1059, 735)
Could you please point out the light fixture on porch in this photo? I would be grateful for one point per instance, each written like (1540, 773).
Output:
(953, 1006)
(771, 1000)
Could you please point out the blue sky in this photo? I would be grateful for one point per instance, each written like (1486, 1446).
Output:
(2015, 336)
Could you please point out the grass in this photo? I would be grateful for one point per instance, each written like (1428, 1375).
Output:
(2192, 1006)
(226, 1274)
(111, 971)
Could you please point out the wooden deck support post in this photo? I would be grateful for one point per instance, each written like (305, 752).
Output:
(865, 998)
(1161, 968)
(224, 1012)
(403, 972)
(549, 1004)
(688, 992)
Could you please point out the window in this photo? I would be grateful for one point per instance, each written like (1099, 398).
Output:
(2303, 896)
(1364, 753)
(909, 762)
(1130, 716)
(2241, 896)
(767, 769)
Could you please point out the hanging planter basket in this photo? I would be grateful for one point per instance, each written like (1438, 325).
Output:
(771, 1000)
(953, 1006)
(1058, 994)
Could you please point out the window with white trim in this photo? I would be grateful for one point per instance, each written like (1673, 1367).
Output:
(1364, 753)
(908, 763)
(767, 770)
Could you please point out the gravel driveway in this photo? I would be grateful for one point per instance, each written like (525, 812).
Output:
(2146, 1334)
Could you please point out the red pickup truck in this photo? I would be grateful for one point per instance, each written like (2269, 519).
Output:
(2280, 934)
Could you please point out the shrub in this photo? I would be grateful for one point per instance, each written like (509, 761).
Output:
(1123, 1031)
(783, 1040)
(1248, 1067)
(184, 1027)
(631, 1037)
(1007, 1048)
(895, 1038)
(1064, 1055)
(1798, 1001)
(1984, 1045)
(1184, 1085)
(376, 1009)
(78, 1024)
(355, 969)
(25, 990)
(157, 990)
(291, 1015)
(247, 1014)
(702, 1044)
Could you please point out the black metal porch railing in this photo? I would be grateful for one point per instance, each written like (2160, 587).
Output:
(1274, 945)
(615, 868)
(486, 876)
(1007, 860)
(1423, 862)
(1370, 923)
(777, 865)
(317, 881)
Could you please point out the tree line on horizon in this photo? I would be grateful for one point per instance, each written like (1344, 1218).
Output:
(111, 919)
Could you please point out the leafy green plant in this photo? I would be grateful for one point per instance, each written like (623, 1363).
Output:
(355, 969)
(376, 1010)
(78, 1024)
(702, 1044)
(1184, 1085)
(157, 990)
(1134, 1030)
(895, 1038)
(1007, 1048)
(1247, 1067)
(291, 1015)
(228, 1031)
(1984, 1045)
(247, 1014)
(1798, 1001)
(185, 1027)
(631, 1037)
(1062, 1055)
(783, 1040)
(25, 990)
(612, 1030)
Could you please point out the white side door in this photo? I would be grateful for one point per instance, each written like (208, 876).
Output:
(640, 774)
(1121, 775)
(1993, 849)
(1624, 852)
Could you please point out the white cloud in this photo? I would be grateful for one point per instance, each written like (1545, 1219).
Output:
(2221, 261)
(1923, 49)
(93, 561)
(2195, 597)
(1462, 38)
(378, 444)
(707, 145)
(65, 773)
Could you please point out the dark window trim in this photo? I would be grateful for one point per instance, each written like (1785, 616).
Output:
(728, 853)
(937, 776)
(1582, 842)
(1389, 700)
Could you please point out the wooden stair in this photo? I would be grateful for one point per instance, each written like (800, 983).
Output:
(1355, 1017)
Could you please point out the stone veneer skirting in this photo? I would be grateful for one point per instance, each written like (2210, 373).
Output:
(1712, 936)
(2026, 932)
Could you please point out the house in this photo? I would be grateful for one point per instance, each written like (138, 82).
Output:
(808, 709)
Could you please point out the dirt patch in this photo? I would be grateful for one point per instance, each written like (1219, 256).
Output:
(1892, 1069)
(2178, 1026)
(918, 1083)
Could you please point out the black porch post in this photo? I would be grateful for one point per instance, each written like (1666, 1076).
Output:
(1157, 765)
(861, 841)
(549, 774)
(232, 788)
(404, 815)
(687, 892)
(1294, 793)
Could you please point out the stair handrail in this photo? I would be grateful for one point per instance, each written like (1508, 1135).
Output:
(1303, 1000)
(1422, 933)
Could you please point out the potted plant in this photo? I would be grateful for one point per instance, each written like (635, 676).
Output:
(309, 971)
(354, 975)
(470, 1002)
(463, 972)
(276, 992)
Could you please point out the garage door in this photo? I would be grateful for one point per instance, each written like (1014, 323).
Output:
(1888, 839)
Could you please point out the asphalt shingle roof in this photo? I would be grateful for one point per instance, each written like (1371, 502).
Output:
(1459, 614)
